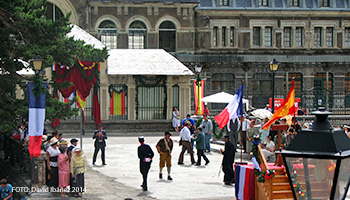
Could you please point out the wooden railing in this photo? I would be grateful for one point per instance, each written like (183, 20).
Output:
(261, 192)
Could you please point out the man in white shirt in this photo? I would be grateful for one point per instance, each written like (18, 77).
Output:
(185, 141)
(245, 126)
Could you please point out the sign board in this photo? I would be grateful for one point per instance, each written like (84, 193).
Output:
(279, 101)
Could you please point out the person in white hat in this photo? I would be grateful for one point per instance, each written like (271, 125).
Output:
(52, 154)
(77, 169)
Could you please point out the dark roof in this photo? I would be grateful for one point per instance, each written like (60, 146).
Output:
(274, 4)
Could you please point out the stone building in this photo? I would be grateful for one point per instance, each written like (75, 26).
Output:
(235, 40)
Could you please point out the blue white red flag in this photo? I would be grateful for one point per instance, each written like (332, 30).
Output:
(233, 110)
(36, 120)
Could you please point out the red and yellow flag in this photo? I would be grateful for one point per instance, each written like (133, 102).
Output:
(198, 95)
(117, 103)
(81, 101)
(286, 108)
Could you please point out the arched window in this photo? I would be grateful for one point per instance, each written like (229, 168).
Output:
(167, 36)
(137, 35)
(107, 32)
(53, 12)
(223, 82)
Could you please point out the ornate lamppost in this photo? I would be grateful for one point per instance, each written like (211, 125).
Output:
(318, 161)
(273, 67)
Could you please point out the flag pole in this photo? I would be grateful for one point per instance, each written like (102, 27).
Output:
(295, 119)
(242, 146)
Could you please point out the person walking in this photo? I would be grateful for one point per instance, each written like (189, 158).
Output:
(227, 161)
(192, 128)
(145, 155)
(207, 126)
(78, 169)
(100, 137)
(200, 145)
(185, 141)
(164, 148)
(176, 119)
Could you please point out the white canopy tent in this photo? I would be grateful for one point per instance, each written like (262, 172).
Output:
(222, 97)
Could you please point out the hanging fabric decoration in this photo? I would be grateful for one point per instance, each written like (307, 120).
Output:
(80, 78)
(96, 112)
(198, 95)
(117, 103)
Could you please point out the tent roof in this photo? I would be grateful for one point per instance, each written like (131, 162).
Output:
(221, 97)
(79, 34)
(144, 62)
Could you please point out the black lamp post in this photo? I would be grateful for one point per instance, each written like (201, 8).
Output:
(318, 161)
(273, 67)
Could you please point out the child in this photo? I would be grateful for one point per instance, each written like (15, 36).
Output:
(6, 190)
(77, 169)
(63, 170)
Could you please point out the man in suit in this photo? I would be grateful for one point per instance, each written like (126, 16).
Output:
(100, 136)
(228, 160)
(145, 155)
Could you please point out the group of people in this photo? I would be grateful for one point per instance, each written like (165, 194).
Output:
(65, 165)
(247, 129)
(188, 134)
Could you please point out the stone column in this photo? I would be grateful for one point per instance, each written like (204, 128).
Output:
(185, 99)
(38, 176)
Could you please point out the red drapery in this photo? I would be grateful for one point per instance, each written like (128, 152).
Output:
(83, 75)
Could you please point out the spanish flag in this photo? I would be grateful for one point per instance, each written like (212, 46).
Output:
(117, 103)
(198, 96)
(81, 101)
(286, 108)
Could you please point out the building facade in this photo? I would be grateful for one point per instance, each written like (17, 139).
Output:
(235, 40)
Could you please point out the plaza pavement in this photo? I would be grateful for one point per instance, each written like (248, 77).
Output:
(189, 181)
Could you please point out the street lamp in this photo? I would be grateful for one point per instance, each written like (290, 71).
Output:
(317, 161)
(273, 67)
(37, 62)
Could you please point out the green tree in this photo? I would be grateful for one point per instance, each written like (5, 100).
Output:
(25, 31)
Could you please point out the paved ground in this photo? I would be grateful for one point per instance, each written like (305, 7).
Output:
(121, 178)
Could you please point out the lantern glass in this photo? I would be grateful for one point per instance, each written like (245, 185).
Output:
(37, 64)
(311, 178)
(343, 180)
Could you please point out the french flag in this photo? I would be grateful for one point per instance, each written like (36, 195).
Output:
(36, 120)
(233, 110)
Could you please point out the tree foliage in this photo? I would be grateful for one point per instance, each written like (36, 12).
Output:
(25, 31)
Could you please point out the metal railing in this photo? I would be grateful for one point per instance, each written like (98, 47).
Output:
(338, 102)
